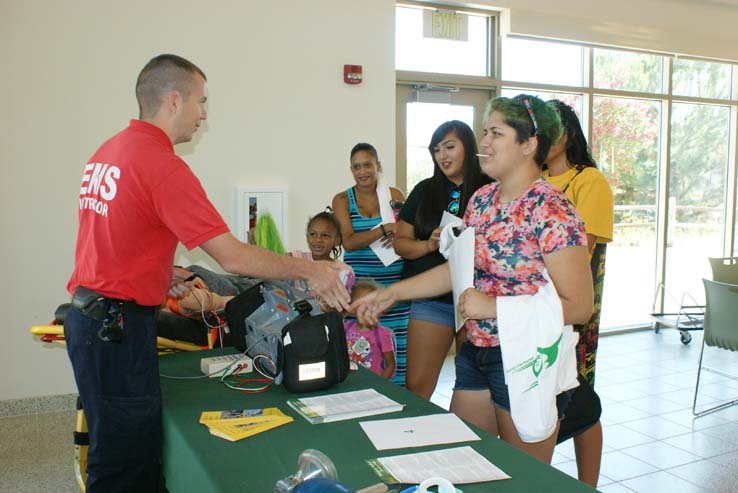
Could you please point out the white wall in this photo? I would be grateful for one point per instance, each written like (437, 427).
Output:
(279, 113)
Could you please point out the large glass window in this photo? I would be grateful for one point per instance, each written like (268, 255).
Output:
(675, 224)
(573, 100)
(627, 71)
(415, 50)
(625, 143)
(542, 62)
(700, 79)
(699, 156)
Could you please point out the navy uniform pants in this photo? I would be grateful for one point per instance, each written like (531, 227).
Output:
(118, 384)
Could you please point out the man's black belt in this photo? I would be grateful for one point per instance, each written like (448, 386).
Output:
(98, 307)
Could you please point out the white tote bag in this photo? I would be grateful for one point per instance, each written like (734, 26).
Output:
(538, 357)
(459, 250)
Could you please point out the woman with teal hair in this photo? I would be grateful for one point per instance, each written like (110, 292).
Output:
(523, 227)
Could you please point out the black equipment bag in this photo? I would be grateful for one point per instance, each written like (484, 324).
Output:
(315, 352)
(315, 357)
(236, 312)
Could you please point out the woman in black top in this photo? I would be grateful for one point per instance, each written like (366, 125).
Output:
(456, 176)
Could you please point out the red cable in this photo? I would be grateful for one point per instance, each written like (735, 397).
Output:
(246, 380)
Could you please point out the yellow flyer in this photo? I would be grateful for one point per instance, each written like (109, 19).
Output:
(239, 416)
(232, 431)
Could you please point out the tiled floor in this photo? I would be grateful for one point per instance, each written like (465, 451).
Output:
(652, 443)
(645, 381)
(36, 453)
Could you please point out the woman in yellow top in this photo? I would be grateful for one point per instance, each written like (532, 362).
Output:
(570, 167)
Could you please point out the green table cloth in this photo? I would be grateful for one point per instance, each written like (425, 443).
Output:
(196, 461)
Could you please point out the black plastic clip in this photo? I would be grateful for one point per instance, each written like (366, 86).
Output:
(303, 307)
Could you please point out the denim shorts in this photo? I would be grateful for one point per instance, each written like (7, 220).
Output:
(436, 312)
(480, 368)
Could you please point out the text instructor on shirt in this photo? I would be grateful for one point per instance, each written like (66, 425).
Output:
(137, 201)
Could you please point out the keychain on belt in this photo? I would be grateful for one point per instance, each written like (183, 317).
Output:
(112, 327)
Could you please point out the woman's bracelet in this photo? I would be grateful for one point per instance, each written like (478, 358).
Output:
(384, 231)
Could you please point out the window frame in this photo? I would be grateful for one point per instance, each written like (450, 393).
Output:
(495, 82)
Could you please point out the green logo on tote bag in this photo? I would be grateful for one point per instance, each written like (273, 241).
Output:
(545, 357)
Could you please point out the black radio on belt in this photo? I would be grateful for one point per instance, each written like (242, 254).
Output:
(97, 307)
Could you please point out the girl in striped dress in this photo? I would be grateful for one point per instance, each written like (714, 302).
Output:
(358, 211)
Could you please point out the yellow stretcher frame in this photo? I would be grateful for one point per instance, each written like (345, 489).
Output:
(55, 334)
(162, 343)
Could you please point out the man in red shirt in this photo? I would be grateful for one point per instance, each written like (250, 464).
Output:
(137, 201)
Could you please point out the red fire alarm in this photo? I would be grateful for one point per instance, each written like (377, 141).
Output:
(352, 74)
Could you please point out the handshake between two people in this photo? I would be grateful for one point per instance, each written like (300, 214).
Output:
(473, 304)
(328, 282)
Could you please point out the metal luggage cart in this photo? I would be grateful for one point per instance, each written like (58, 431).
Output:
(689, 317)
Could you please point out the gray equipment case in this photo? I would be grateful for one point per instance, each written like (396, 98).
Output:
(256, 318)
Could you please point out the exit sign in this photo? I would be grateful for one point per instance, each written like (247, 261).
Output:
(445, 24)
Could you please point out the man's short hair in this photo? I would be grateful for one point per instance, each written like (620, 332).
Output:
(163, 74)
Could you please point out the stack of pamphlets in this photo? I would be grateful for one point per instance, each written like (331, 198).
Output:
(346, 405)
(241, 423)
(459, 465)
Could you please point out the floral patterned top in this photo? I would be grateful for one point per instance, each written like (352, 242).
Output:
(511, 240)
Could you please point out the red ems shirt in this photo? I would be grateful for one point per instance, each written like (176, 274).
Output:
(137, 201)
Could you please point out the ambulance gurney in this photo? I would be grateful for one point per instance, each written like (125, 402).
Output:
(169, 325)
(174, 332)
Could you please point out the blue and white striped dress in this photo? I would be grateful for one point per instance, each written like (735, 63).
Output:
(366, 264)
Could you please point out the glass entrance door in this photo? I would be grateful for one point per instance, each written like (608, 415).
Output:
(421, 108)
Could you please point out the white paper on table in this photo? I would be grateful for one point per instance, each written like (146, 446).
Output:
(418, 431)
(459, 250)
(459, 465)
(448, 218)
(385, 253)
